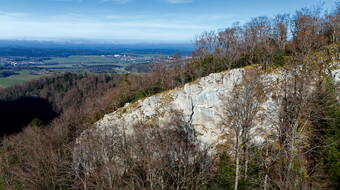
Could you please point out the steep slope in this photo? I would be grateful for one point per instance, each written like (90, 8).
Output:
(200, 104)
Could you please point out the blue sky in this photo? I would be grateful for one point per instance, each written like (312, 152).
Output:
(132, 20)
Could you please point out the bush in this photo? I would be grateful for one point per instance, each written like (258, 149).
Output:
(153, 157)
(224, 178)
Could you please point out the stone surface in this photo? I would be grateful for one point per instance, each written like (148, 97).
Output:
(200, 104)
(336, 77)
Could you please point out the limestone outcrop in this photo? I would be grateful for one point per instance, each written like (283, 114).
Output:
(199, 103)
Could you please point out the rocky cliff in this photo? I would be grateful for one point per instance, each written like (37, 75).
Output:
(199, 103)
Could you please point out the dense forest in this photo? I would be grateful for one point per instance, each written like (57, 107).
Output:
(37, 152)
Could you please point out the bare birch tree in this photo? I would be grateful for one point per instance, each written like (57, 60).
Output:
(241, 111)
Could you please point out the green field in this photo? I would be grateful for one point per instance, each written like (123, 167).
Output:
(63, 64)
(82, 59)
(76, 63)
(23, 76)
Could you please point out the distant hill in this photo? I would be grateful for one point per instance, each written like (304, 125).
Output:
(50, 48)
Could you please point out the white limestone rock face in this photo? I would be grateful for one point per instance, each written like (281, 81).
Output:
(199, 103)
(336, 77)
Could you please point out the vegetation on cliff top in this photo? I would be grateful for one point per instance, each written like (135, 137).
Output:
(42, 157)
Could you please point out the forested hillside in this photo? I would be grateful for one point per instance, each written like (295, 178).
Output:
(303, 153)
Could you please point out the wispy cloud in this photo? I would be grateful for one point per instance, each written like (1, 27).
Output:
(103, 1)
(13, 14)
(179, 1)
(116, 1)
(16, 25)
(139, 26)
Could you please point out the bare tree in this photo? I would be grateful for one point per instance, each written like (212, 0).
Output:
(152, 157)
(206, 43)
(295, 108)
(257, 40)
(332, 25)
(241, 111)
(229, 44)
(306, 30)
(280, 30)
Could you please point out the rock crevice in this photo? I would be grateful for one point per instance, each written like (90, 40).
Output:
(200, 104)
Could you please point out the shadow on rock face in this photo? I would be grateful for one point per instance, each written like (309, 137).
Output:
(17, 114)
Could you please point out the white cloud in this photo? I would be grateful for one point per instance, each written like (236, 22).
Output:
(146, 26)
(13, 14)
(15, 26)
(179, 1)
(103, 1)
(116, 1)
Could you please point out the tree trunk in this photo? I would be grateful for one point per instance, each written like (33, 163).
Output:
(237, 160)
(265, 183)
(246, 161)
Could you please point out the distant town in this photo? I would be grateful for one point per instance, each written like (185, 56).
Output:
(15, 68)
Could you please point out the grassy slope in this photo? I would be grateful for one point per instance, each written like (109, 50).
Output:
(82, 59)
(17, 79)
